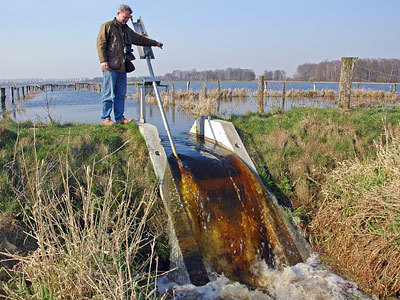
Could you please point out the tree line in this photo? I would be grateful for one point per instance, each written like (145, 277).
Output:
(212, 75)
(365, 70)
(275, 75)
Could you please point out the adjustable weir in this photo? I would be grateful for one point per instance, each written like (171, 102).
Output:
(221, 217)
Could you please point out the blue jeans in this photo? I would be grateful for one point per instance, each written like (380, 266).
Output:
(113, 94)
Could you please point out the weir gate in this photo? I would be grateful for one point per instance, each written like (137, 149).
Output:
(221, 217)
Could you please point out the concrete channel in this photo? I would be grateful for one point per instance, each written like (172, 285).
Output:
(185, 255)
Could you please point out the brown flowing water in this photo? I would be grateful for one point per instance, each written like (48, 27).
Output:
(241, 236)
(232, 217)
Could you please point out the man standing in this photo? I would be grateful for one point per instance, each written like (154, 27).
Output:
(114, 44)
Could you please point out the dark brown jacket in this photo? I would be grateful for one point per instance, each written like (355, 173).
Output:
(111, 41)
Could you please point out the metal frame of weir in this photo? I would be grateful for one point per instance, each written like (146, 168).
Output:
(147, 53)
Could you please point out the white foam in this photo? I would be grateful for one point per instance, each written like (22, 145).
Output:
(309, 280)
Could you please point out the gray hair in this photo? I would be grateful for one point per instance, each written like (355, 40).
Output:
(124, 8)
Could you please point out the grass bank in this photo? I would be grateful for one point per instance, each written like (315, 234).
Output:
(84, 196)
(332, 168)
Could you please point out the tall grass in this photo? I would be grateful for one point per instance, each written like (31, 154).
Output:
(91, 244)
(358, 223)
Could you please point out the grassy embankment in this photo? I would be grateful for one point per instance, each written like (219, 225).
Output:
(341, 172)
(86, 196)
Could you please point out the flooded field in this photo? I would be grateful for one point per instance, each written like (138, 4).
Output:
(83, 106)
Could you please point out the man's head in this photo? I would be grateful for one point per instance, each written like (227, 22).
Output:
(124, 14)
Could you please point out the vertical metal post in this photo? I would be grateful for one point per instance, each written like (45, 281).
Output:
(147, 53)
(142, 103)
(160, 105)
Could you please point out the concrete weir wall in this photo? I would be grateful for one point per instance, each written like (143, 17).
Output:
(223, 133)
(185, 255)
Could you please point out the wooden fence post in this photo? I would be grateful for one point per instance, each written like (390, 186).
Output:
(346, 77)
(260, 94)
(172, 94)
(18, 96)
(137, 91)
(204, 90)
(219, 95)
(12, 94)
(283, 95)
(3, 99)
(187, 87)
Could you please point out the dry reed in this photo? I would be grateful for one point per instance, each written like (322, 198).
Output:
(198, 106)
(358, 223)
(97, 247)
(301, 94)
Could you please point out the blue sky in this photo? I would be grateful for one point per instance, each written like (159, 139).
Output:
(57, 39)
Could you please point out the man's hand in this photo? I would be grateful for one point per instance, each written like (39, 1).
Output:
(104, 66)
(159, 45)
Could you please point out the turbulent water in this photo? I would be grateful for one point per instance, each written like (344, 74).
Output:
(308, 281)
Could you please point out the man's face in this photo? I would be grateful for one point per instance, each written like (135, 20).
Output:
(123, 17)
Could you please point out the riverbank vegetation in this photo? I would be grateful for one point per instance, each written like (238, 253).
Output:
(78, 213)
(340, 172)
(80, 217)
